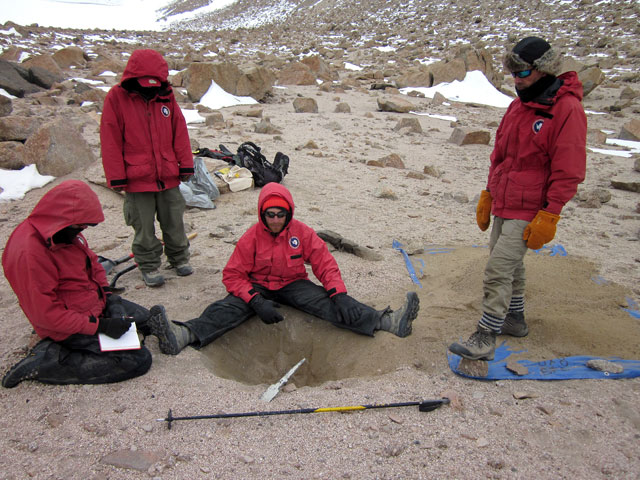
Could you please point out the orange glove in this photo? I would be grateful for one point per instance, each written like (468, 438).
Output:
(541, 230)
(483, 210)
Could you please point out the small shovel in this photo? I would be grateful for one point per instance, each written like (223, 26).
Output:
(274, 389)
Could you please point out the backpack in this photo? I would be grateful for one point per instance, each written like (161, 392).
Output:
(250, 157)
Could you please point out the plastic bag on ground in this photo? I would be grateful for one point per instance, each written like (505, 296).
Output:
(200, 190)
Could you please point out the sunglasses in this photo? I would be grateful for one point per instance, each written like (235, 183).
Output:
(280, 214)
(522, 73)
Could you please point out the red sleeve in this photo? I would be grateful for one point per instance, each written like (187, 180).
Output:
(235, 275)
(112, 142)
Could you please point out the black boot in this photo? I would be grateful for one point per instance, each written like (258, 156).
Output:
(27, 368)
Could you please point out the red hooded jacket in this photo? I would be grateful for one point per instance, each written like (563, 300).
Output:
(59, 286)
(274, 262)
(540, 154)
(145, 144)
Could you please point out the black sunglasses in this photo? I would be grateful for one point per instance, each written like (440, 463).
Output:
(522, 73)
(280, 214)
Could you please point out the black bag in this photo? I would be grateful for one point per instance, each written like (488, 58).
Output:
(250, 157)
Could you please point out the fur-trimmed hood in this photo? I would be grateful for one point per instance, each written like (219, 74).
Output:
(532, 52)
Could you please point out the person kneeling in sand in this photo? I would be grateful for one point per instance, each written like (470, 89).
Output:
(64, 293)
(266, 269)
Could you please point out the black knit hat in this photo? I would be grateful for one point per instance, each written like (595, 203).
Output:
(532, 52)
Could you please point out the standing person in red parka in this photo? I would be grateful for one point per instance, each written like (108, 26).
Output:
(146, 152)
(266, 269)
(64, 293)
(538, 161)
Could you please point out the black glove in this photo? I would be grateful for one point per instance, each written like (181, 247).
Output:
(348, 308)
(114, 307)
(114, 327)
(266, 309)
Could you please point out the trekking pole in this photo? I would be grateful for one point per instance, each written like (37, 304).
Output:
(423, 406)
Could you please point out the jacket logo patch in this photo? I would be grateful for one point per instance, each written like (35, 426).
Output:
(537, 126)
(165, 111)
(294, 242)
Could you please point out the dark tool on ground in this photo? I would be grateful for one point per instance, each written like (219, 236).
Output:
(423, 406)
(109, 264)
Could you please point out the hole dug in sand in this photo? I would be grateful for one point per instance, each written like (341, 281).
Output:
(567, 312)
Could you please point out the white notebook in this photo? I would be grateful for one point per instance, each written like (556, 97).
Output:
(128, 341)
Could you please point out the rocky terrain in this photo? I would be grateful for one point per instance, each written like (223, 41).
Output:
(365, 167)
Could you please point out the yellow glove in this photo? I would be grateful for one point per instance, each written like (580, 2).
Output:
(541, 230)
(483, 210)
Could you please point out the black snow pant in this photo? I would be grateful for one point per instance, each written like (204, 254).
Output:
(78, 358)
(226, 314)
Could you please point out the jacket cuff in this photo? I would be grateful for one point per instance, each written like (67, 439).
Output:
(118, 183)
(186, 171)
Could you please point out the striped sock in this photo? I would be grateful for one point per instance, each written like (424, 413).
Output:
(517, 303)
(491, 322)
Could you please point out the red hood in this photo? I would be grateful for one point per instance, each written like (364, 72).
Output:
(572, 85)
(146, 63)
(277, 190)
(71, 202)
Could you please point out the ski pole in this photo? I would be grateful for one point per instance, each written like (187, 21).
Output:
(423, 406)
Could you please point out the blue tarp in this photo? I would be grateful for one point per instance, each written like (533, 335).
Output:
(566, 368)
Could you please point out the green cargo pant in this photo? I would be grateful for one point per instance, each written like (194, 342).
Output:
(140, 212)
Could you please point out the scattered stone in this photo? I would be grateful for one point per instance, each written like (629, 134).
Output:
(630, 130)
(626, 185)
(392, 160)
(396, 104)
(11, 155)
(438, 99)
(265, 126)
(605, 366)
(342, 107)
(516, 368)
(386, 193)
(482, 442)
(393, 450)
(591, 78)
(342, 244)
(55, 420)
(247, 459)
(135, 460)
(455, 401)
(6, 106)
(17, 128)
(432, 171)
(463, 136)
(593, 198)
(474, 368)
(305, 105)
(524, 395)
(545, 409)
(409, 124)
(296, 73)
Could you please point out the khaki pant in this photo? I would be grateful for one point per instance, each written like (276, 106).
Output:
(504, 274)
(140, 212)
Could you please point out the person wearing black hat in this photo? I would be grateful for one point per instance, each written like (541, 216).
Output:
(267, 269)
(538, 160)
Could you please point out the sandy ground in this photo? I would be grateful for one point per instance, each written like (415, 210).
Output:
(563, 429)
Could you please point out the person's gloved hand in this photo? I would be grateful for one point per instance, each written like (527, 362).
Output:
(114, 327)
(266, 309)
(114, 307)
(483, 210)
(348, 309)
(541, 230)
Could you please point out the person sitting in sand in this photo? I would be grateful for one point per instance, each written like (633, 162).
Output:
(266, 269)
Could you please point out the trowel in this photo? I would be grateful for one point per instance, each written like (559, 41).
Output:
(274, 389)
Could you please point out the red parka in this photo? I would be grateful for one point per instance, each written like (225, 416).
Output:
(275, 261)
(59, 286)
(145, 144)
(540, 154)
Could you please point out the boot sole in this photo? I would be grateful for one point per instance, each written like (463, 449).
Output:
(410, 315)
(160, 328)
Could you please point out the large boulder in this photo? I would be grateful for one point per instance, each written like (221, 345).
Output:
(394, 103)
(45, 62)
(630, 130)
(590, 78)
(57, 148)
(296, 73)
(319, 67)
(71, 57)
(253, 81)
(6, 106)
(16, 128)
(11, 157)
(13, 79)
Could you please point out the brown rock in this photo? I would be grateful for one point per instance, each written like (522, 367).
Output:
(626, 185)
(44, 61)
(319, 67)
(296, 73)
(410, 124)
(71, 56)
(446, 71)
(342, 107)
(305, 105)
(591, 78)
(57, 148)
(14, 128)
(630, 130)
(11, 156)
(6, 106)
(462, 136)
(394, 104)
(516, 368)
